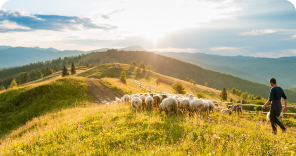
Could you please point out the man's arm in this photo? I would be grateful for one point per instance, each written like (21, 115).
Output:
(286, 108)
(266, 104)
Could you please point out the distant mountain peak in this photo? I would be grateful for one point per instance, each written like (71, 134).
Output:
(134, 48)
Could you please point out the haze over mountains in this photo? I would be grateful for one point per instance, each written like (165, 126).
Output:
(251, 68)
(17, 56)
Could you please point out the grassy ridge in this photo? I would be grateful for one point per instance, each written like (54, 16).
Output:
(148, 78)
(179, 69)
(20, 105)
(118, 130)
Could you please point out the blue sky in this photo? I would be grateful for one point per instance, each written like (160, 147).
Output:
(265, 28)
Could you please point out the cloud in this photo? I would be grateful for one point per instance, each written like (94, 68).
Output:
(226, 48)
(177, 50)
(268, 31)
(7, 25)
(48, 22)
(281, 53)
(107, 16)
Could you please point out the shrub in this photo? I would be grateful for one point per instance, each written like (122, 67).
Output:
(200, 95)
(257, 108)
(178, 87)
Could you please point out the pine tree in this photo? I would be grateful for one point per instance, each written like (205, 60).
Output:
(131, 62)
(178, 87)
(87, 65)
(206, 84)
(48, 71)
(13, 84)
(2, 88)
(123, 77)
(65, 71)
(24, 77)
(33, 75)
(223, 94)
(39, 75)
(157, 82)
(187, 79)
(149, 67)
(73, 71)
(121, 61)
(135, 63)
(79, 57)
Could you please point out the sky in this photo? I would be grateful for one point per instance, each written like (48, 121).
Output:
(265, 28)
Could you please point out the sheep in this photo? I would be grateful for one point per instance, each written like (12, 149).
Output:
(157, 100)
(206, 107)
(146, 94)
(211, 106)
(236, 108)
(143, 97)
(149, 102)
(125, 98)
(169, 105)
(184, 104)
(280, 117)
(117, 100)
(136, 103)
(225, 111)
(195, 105)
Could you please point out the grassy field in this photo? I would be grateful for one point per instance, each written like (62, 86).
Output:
(118, 130)
(56, 116)
(148, 78)
(19, 105)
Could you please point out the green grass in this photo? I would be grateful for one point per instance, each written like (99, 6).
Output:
(118, 130)
(20, 105)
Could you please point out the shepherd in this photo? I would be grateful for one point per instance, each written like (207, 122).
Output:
(276, 93)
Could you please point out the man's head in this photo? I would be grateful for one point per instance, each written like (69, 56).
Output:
(272, 82)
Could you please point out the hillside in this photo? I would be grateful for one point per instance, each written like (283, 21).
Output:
(265, 68)
(181, 70)
(110, 73)
(64, 116)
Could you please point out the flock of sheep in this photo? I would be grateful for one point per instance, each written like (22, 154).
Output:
(175, 103)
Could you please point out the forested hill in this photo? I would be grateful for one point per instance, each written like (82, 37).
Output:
(179, 69)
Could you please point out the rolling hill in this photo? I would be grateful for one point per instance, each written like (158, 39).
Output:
(60, 118)
(264, 68)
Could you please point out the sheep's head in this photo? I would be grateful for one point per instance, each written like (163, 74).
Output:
(191, 96)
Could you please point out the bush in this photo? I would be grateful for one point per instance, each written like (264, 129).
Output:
(123, 77)
(200, 95)
(257, 108)
(178, 87)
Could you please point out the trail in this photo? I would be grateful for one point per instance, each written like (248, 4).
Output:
(100, 93)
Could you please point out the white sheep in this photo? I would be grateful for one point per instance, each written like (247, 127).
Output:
(117, 100)
(280, 117)
(125, 98)
(225, 111)
(206, 106)
(143, 97)
(149, 102)
(169, 105)
(136, 103)
(195, 105)
(211, 106)
(184, 104)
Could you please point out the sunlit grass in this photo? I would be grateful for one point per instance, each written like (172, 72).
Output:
(118, 130)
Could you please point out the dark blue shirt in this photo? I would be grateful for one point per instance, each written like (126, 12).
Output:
(276, 93)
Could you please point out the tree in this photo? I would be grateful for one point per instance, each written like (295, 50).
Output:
(39, 75)
(223, 94)
(121, 61)
(13, 84)
(65, 71)
(2, 88)
(33, 75)
(178, 87)
(206, 84)
(157, 82)
(57, 68)
(149, 67)
(87, 65)
(73, 71)
(24, 77)
(187, 79)
(79, 57)
(200, 95)
(135, 63)
(141, 64)
(48, 71)
(123, 77)
(259, 97)
(233, 91)
(131, 63)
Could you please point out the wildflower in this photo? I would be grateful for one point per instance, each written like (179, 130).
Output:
(166, 136)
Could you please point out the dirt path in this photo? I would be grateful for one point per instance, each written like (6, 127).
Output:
(100, 93)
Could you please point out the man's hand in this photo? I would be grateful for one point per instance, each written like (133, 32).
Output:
(263, 107)
(286, 109)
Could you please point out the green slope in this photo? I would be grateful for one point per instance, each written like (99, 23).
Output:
(179, 69)
(20, 105)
